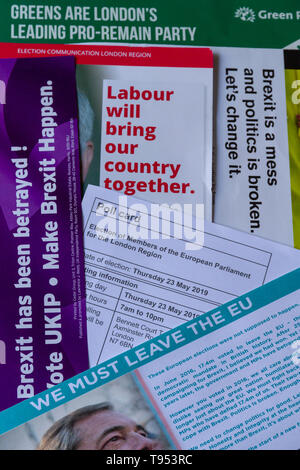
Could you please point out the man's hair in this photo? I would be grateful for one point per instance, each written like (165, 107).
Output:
(62, 435)
(86, 119)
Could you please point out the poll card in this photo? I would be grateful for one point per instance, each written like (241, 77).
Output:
(138, 288)
(43, 318)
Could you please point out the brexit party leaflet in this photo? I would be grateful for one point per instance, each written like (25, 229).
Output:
(43, 318)
(228, 379)
(145, 118)
(256, 146)
(149, 269)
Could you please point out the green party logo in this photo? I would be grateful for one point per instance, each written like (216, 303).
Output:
(245, 14)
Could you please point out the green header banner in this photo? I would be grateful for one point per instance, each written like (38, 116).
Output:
(235, 23)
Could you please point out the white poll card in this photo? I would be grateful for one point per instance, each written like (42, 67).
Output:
(138, 289)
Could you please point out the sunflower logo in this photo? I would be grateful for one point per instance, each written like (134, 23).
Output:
(245, 14)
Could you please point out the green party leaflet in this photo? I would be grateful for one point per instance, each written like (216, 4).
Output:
(267, 23)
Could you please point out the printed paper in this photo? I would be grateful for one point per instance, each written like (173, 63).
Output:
(152, 135)
(43, 316)
(253, 173)
(140, 288)
(149, 106)
(228, 379)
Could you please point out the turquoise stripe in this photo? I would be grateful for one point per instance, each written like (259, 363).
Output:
(260, 297)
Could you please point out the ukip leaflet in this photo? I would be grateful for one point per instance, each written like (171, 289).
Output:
(43, 319)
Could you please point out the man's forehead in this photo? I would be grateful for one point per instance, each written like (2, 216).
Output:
(101, 420)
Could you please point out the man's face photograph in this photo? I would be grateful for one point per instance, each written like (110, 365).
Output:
(112, 417)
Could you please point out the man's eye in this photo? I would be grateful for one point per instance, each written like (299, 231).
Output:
(114, 438)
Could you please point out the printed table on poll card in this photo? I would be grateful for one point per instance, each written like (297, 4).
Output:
(137, 289)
